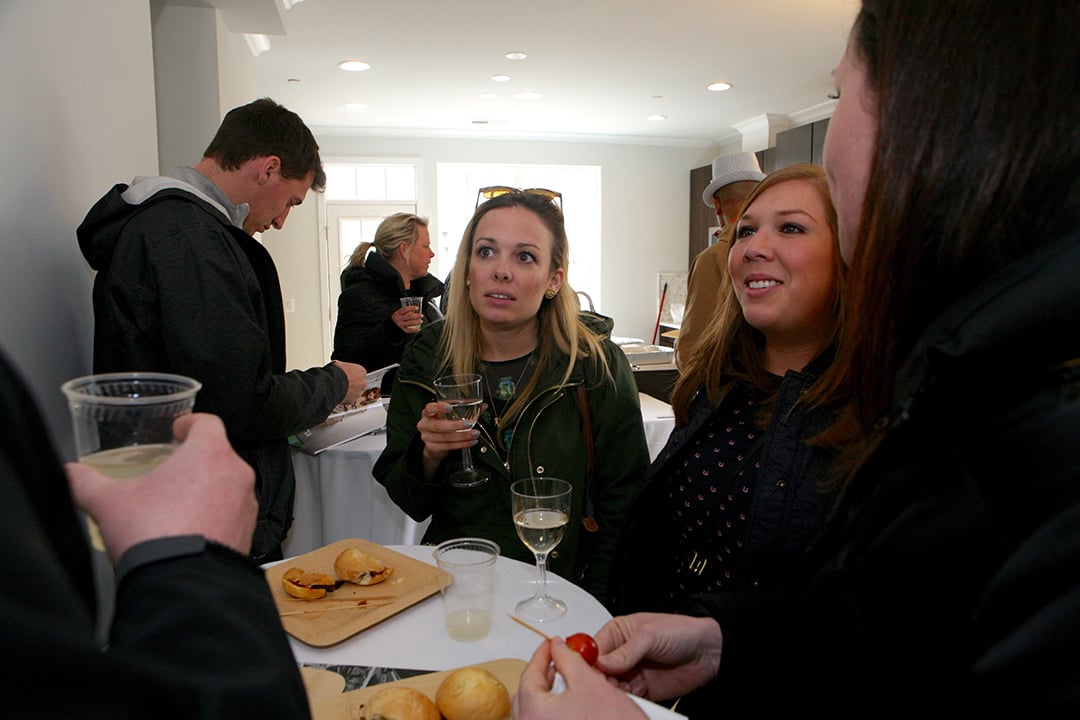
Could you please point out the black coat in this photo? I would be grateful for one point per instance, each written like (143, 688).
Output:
(196, 636)
(180, 289)
(365, 333)
(788, 502)
(949, 575)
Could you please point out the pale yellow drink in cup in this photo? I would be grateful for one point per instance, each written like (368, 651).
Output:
(123, 422)
(416, 302)
(468, 601)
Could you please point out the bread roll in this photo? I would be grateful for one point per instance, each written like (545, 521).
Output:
(306, 585)
(472, 693)
(400, 703)
(355, 566)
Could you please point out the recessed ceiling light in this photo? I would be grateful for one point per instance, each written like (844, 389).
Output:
(719, 86)
(656, 118)
(489, 95)
(528, 96)
(515, 56)
(354, 106)
(354, 65)
(500, 78)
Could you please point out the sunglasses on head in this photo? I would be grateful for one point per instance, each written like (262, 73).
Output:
(494, 191)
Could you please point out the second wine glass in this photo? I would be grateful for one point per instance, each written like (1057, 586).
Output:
(465, 395)
(541, 507)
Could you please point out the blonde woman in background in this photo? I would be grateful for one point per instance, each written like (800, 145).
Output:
(372, 327)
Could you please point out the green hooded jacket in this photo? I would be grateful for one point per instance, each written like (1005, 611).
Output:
(549, 439)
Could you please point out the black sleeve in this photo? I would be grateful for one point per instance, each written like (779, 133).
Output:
(365, 333)
(194, 634)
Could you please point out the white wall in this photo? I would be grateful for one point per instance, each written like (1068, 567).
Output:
(645, 220)
(78, 117)
(201, 71)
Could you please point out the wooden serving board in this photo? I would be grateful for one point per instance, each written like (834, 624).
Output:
(321, 683)
(323, 623)
(328, 705)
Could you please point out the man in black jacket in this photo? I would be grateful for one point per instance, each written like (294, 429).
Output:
(183, 287)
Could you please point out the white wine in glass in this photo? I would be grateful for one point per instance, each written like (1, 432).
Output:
(123, 423)
(465, 395)
(541, 507)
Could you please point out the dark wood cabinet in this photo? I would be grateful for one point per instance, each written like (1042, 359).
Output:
(656, 380)
(701, 217)
(802, 144)
(767, 159)
(794, 146)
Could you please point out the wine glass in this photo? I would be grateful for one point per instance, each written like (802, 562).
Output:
(466, 398)
(541, 511)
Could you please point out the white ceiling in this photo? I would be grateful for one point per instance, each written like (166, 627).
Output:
(600, 66)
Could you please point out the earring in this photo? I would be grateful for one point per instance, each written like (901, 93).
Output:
(468, 282)
(549, 294)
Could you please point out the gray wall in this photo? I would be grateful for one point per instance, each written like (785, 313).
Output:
(78, 116)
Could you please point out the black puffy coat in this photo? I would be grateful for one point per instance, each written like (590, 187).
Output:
(788, 502)
(181, 289)
(370, 294)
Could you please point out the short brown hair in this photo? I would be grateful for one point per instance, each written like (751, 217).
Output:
(263, 128)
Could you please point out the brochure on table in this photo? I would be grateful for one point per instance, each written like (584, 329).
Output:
(366, 416)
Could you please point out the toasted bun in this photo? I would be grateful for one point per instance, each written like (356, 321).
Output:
(300, 584)
(355, 566)
(472, 693)
(400, 703)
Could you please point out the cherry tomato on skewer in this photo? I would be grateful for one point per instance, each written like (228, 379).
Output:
(584, 646)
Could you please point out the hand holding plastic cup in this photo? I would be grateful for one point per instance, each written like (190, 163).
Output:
(123, 421)
(468, 601)
(416, 302)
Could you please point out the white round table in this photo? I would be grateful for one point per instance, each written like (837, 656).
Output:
(416, 637)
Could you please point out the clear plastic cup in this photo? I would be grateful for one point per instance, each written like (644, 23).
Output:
(468, 601)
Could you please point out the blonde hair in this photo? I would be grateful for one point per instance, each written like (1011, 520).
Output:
(392, 232)
(560, 326)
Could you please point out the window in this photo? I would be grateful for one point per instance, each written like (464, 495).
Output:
(458, 184)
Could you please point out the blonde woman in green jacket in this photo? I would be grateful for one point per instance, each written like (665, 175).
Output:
(554, 383)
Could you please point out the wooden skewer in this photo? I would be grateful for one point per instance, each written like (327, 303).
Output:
(300, 602)
(536, 630)
(355, 605)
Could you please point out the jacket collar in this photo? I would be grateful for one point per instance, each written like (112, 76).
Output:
(1022, 319)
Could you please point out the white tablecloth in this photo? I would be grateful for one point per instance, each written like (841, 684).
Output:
(659, 421)
(416, 638)
(338, 498)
